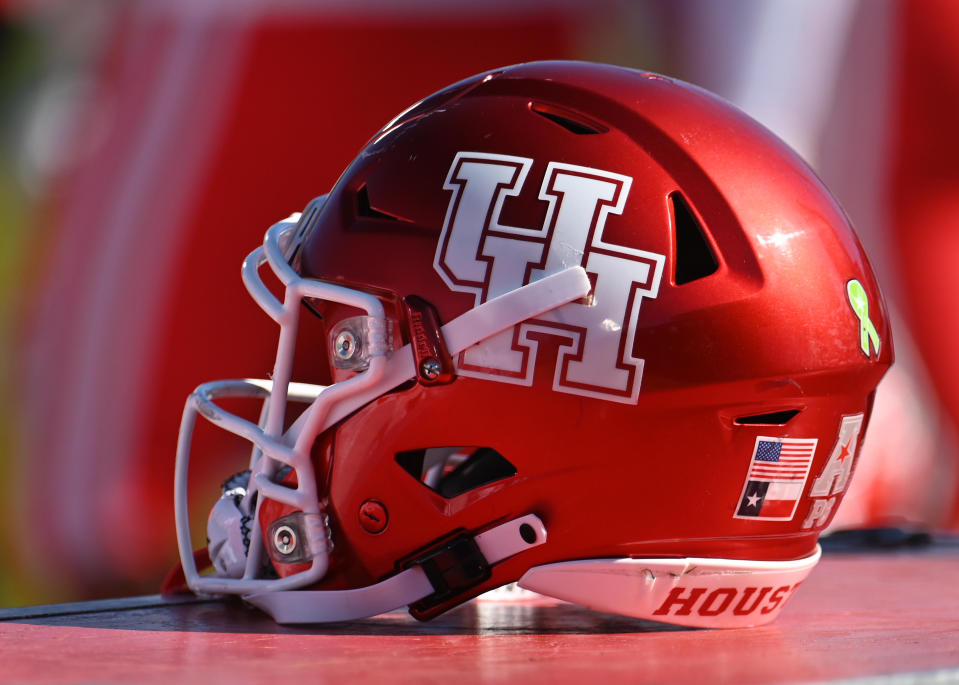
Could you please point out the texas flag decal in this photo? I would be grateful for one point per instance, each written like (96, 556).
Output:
(777, 475)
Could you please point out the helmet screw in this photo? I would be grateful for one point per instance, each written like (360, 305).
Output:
(430, 369)
(284, 540)
(345, 345)
(373, 516)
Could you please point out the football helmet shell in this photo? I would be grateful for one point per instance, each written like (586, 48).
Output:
(582, 327)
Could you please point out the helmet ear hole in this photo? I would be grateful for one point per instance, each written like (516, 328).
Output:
(453, 471)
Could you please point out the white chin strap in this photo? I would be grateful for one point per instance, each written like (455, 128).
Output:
(403, 589)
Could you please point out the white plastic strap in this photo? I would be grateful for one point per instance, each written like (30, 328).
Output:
(466, 330)
(406, 587)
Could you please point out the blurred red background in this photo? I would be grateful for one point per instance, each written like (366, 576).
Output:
(145, 147)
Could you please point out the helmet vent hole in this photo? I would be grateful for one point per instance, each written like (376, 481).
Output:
(776, 418)
(571, 121)
(453, 471)
(366, 210)
(694, 257)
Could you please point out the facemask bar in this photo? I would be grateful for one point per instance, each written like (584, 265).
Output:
(203, 401)
(271, 451)
(272, 448)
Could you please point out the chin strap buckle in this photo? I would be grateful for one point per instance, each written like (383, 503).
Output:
(448, 568)
(452, 567)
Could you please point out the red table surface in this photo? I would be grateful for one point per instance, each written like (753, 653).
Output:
(858, 615)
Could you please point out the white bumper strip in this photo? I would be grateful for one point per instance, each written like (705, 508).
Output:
(707, 593)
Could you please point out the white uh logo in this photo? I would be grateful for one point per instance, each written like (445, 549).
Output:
(478, 254)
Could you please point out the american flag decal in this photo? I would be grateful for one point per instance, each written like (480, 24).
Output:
(777, 475)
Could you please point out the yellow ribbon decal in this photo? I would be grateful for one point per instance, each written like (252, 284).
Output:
(860, 305)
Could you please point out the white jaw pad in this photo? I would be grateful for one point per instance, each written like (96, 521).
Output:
(323, 606)
(705, 593)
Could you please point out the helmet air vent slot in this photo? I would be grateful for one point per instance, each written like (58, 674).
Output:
(366, 210)
(444, 97)
(453, 471)
(776, 418)
(571, 121)
(694, 257)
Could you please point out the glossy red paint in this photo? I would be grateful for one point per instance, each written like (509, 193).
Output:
(771, 330)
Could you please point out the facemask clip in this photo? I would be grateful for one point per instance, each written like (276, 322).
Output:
(356, 340)
(434, 366)
(297, 538)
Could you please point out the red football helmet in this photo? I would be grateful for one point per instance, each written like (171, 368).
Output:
(585, 328)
